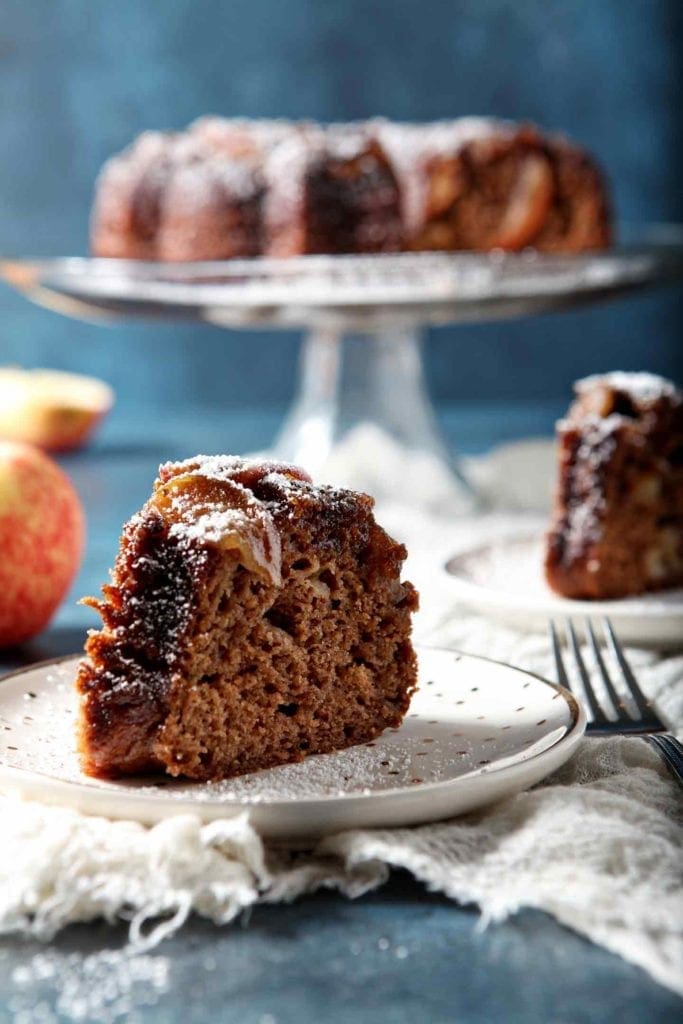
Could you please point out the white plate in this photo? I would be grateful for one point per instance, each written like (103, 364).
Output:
(504, 580)
(476, 731)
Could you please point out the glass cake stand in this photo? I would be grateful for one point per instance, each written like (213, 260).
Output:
(362, 415)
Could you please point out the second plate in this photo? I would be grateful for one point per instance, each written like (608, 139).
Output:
(503, 580)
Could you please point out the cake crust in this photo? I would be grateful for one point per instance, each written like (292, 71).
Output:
(252, 619)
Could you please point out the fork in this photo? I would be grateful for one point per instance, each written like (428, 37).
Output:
(639, 719)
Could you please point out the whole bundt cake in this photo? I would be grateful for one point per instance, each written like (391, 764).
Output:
(226, 188)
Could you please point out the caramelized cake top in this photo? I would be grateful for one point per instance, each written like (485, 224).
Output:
(206, 499)
(223, 502)
(209, 500)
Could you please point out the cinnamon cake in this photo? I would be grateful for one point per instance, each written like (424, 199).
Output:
(617, 526)
(225, 188)
(252, 618)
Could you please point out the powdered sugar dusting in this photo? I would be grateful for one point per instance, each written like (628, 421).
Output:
(202, 180)
(644, 387)
(407, 143)
(252, 138)
(597, 448)
(149, 155)
(224, 522)
(219, 526)
(284, 171)
(211, 527)
(224, 467)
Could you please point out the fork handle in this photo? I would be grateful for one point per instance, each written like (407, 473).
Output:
(671, 750)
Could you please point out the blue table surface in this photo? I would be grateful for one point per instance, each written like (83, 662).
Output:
(400, 954)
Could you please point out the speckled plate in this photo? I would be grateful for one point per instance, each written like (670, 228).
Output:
(476, 731)
(504, 581)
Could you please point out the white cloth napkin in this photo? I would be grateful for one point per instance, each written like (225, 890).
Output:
(599, 845)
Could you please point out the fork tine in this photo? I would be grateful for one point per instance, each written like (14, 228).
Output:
(617, 701)
(640, 700)
(562, 677)
(592, 701)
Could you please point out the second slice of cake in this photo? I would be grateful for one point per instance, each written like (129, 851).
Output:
(617, 526)
(252, 619)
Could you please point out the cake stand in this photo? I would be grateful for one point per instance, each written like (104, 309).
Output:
(361, 415)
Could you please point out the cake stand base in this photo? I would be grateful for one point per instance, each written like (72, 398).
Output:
(362, 418)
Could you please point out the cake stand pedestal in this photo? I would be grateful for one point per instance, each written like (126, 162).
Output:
(362, 416)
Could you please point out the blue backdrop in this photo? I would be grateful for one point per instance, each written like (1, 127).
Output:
(79, 78)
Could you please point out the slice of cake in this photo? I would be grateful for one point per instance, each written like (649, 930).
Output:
(252, 619)
(617, 527)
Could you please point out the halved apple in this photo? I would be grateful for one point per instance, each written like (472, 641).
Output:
(54, 410)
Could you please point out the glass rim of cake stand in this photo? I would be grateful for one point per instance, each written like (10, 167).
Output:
(348, 292)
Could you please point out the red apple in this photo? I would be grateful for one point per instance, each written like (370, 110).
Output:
(42, 529)
(54, 410)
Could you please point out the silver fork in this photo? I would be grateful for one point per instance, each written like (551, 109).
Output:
(639, 719)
